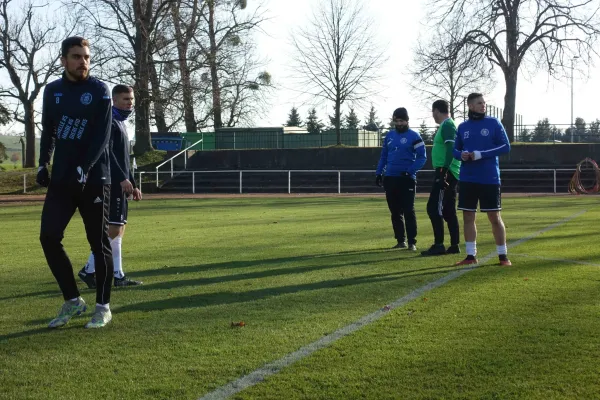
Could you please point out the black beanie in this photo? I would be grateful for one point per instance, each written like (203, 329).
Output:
(401, 113)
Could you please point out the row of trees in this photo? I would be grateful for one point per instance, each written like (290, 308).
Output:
(544, 131)
(349, 121)
(193, 63)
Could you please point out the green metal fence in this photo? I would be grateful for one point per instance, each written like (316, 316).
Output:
(275, 138)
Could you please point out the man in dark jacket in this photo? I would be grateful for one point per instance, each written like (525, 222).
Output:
(76, 119)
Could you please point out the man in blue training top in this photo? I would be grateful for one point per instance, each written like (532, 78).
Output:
(402, 155)
(479, 142)
(76, 119)
(123, 97)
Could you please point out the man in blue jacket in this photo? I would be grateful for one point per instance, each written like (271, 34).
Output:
(76, 118)
(402, 155)
(479, 142)
(123, 97)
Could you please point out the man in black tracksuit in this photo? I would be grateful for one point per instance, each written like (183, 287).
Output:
(76, 120)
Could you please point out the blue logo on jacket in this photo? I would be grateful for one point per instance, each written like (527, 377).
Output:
(86, 98)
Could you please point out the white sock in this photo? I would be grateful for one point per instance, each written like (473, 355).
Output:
(471, 248)
(105, 306)
(90, 267)
(75, 299)
(117, 260)
(501, 250)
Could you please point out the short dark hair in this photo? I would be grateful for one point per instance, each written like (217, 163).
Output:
(118, 89)
(72, 42)
(473, 96)
(441, 106)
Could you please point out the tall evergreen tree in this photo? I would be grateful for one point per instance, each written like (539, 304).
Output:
(294, 118)
(351, 120)
(425, 133)
(373, 123)
(313, 124)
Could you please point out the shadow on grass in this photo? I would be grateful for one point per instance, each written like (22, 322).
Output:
(227, 297)
(269, 273)
(55, 292)
(37, 331)
(167, 270)
(223, 265)
(42, 293)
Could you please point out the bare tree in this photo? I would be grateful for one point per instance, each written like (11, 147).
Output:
(440, 70)
(545, 33)
(336, 57)
(160, 68)
(126, 30)
(243, 86)
(30, 53)
(186, 17)
(166, 93)
(223, 30)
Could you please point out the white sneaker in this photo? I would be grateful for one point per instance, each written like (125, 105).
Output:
(101, 317)
(68, 310)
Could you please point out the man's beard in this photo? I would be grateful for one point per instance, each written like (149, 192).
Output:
(79, 74)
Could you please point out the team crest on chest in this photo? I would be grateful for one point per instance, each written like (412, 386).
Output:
(484, 132)
(403, 140)
(86, 98)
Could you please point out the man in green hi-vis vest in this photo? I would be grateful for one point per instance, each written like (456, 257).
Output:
(442, 200)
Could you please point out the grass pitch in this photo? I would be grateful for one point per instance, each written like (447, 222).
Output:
(297, 269)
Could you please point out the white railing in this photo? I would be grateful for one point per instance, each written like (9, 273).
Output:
(549, 178)
(175, 156)
(235, 182)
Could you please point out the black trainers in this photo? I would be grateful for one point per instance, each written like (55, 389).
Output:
(88, 279)
(434, 250)
(412, 247)
(400, 245)
(125, 281)
(454, 249)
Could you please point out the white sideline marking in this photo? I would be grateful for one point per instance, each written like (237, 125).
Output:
(562, 260)
(274, 367)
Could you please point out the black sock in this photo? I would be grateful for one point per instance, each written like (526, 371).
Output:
(470, 257)
(502, 257)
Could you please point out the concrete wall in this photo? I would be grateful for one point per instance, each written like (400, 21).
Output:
(521, 156)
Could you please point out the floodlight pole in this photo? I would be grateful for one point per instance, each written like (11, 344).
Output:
(571, 127)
